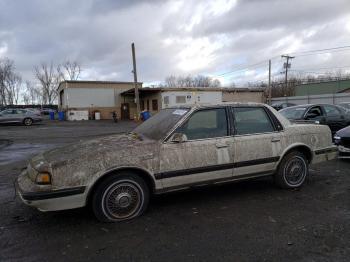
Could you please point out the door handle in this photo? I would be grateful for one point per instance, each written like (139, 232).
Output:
(221, 145)
(275, 139)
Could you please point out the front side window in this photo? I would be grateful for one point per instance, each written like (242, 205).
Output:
(251, 120)
(208, 123)
(314, 112)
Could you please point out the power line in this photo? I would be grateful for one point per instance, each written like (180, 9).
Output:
(298, 54)
(319, 50)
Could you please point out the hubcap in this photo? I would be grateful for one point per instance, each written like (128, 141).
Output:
(28, 122)
(295, 171)
(122, 200)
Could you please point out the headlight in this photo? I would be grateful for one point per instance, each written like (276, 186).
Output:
(337, 137)
(43, 179)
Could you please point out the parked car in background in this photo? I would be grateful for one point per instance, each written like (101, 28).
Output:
(346, 105)
(46, 111)
(177, 148)
(17, 115)
(342, 140)
(279, 106)
(34, 110)
(335, 117)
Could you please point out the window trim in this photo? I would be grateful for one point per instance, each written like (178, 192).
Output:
(273, 120)
(184, 121)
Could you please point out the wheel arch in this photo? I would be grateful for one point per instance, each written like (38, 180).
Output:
(144, 174)
(302, 148)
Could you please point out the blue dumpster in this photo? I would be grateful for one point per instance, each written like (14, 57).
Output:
(61, 115)
(52, 115)
(145, 115)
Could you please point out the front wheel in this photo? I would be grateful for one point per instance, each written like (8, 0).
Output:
(292, 171)
(120, 197)
(27, 121)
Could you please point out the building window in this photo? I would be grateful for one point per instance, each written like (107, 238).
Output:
(155, 105)
(147, 105)
(142, 105)
(166, 100)
(180, 99)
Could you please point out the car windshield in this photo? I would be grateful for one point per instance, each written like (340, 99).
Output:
(160, 124)
(293, 112)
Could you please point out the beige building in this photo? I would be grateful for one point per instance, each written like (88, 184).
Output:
(102, 96)
(153, 99)
(106, 97)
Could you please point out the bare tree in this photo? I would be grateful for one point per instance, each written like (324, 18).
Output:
(69, 70)
(14, 84)
(32, 93)
(10, 82)
(191, 81)
(49, 79)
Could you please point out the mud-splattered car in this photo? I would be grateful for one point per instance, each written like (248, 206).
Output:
(175, 149)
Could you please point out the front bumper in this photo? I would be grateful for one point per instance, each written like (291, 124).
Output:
(344, 152)
(46, 199)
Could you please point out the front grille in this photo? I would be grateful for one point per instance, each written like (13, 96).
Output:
(31, 172)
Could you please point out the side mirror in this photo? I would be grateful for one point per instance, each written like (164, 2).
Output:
(178, 138)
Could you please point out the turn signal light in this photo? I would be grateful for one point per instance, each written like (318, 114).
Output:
(43, 179)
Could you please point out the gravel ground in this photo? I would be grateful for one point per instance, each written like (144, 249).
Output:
(246, 221)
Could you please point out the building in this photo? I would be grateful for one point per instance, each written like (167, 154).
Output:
(321, 88)
(106, 97)
(154, 99)
(91, 96)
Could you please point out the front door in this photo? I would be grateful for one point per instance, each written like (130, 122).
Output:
(257, 142)
(124, 114)
(205, 155)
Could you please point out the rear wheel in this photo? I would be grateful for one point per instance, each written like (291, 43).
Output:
(120, 197)
(28, 121)
(292, 171)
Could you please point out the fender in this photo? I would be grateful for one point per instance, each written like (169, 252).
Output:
(293, 146)
(100, 175)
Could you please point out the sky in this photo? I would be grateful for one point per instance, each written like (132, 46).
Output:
(210, 37)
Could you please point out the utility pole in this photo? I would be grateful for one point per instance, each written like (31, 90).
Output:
(137, 99)
(269, 87)
(286, 66)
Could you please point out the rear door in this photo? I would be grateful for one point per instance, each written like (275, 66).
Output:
(257, 141)
(334, 117)
(206, 154)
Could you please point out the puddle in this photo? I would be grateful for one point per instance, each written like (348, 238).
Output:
(15, 152)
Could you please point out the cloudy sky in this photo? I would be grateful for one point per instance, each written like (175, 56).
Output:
(176, 37)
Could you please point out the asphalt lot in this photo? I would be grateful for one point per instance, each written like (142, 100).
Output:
(246, 221)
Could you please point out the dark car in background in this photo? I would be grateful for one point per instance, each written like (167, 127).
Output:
(18, 115)
(279, 106)
(342, 140)
(335, 117)
(345, 105)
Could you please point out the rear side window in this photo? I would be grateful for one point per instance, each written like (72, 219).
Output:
(331, 110)
(208, 123)
(251, 120)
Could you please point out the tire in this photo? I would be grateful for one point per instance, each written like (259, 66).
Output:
(120, 197)
(292, 171)
(27, 121)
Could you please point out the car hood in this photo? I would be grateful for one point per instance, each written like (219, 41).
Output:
(94, 150)
(345, 132)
